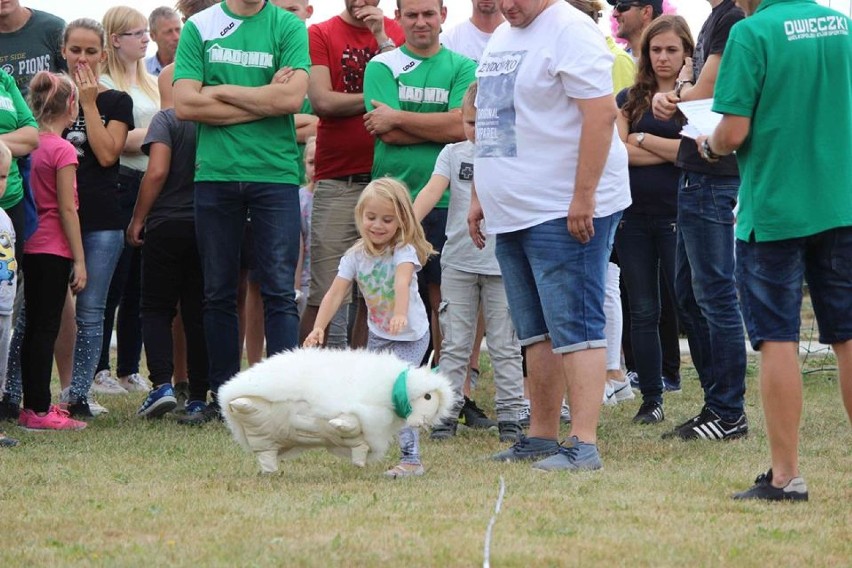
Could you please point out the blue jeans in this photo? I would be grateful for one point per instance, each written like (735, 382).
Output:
(102, 249)
(646, 246)
(221, 209)
(706, 290)
(555, 285)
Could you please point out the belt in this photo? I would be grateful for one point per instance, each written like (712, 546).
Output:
(355, 178)
(130, 172)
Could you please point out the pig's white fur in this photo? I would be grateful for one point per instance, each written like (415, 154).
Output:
(330, 383)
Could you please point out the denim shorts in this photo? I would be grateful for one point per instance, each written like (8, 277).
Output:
(770, 276)
(555, 285)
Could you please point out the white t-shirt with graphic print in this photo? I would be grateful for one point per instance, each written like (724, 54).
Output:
(375, 278)
(528, 121)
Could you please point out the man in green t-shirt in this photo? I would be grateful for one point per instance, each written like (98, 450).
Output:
(794, 147)
(241, 73)
(413, 97)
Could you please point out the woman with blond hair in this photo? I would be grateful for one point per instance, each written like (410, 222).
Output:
(127, 42)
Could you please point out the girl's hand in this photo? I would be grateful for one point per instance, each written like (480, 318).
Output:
(314, 338)
(87, 84)
(78, 277)
(397, 324)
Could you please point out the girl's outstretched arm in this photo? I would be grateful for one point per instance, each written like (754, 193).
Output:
(401, 284)
(330, 303)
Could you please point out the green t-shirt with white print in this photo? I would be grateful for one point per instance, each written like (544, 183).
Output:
(217, 47)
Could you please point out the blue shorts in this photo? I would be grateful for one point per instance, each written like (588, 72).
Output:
(770, 276)
(555, 285)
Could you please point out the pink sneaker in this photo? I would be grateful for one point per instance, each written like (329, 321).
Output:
(55, 419)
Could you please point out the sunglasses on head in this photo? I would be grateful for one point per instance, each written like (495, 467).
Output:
(625, 6)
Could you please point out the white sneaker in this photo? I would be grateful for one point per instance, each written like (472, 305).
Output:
(105, 383)
(94, 406)
(609, 395)
(134, 383)
(565, 413)
(621, 390)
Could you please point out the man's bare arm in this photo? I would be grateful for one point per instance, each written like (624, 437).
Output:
(275, 99)
(440, 127)
(329, 103)
(599, 115)
(192, 104)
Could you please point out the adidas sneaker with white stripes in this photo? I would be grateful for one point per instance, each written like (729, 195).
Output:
(710, 426)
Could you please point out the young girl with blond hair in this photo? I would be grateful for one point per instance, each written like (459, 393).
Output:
(383, 262)
(126, 44)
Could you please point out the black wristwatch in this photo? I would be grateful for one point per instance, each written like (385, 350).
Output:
(679, 87)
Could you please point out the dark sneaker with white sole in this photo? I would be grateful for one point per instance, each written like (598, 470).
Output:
(528, 449)
(710, 426)
(160, 400)
(795, 490)
(650, 412)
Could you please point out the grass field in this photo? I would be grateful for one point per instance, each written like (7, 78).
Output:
(125, 492)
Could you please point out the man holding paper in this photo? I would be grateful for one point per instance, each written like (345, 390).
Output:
(704, 285)
(795, 220)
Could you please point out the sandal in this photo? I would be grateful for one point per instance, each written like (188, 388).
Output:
(405, 470)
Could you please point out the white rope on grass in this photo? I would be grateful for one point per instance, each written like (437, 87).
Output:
(486, 563)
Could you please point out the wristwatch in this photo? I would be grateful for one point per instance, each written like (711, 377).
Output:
(387, 44)
(640, 137)
(707, 152)
(679, 86)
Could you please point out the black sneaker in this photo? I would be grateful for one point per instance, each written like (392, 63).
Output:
(795, 490)
(473, 417)
(649, 413)
(80, 409)
(444, 430)
(510, 431)
(710, 426)
(208, 414)
(9, 410)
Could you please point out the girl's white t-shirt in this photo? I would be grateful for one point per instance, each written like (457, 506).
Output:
(144, 109)
(375, 278)
(528, 122)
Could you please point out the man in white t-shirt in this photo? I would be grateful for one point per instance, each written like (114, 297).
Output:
(551, 180)
(470, 36)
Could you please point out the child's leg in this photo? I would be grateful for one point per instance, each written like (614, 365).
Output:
(409, 440)
(409, 444)
(504, 349)
(458, 315)
(613, 329)
(44, 293)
